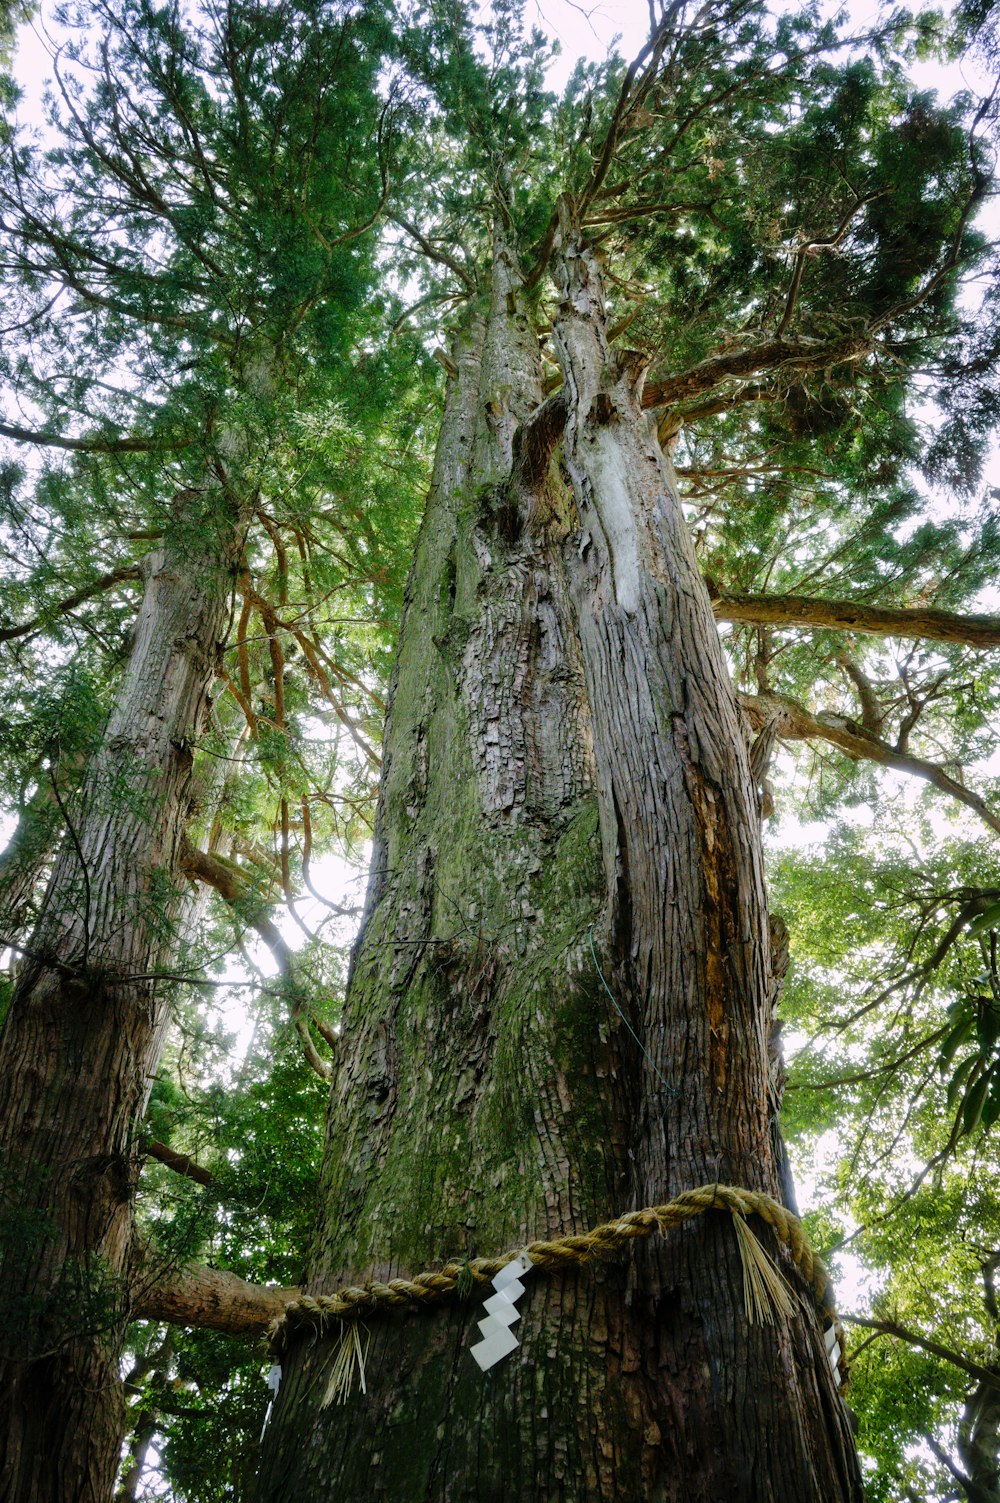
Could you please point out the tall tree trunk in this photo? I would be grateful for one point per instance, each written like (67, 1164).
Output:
(565, 787)
(85, 1029)
(979, 1424)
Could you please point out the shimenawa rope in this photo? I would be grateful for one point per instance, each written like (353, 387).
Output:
(764, 1288)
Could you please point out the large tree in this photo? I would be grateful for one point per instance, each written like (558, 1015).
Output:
(687, 315)
(562, 1003)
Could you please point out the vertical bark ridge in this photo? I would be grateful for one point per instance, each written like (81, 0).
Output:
(481, 1094)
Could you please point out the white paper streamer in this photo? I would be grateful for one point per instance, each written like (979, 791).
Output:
(273, 1381)
(498, 1338)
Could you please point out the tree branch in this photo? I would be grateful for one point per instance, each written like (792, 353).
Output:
(942, 1455)
(926, 1344)
(433, 252)
(89, 445)
(769, 355)
(846, 615)
(180, 1163)
(673, 419)
(797, 724)
(208, 1298)
(632, 93)
(811, 248)
(97, 587)
(231, 885)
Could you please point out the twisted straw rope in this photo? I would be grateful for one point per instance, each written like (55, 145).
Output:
(562, 1252)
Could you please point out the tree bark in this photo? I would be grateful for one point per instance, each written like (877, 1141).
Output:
(565, 790)
(210, 1299)
(979, 1424)
(85, 1028)
(22, 863)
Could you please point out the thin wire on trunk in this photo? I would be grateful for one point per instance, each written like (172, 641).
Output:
(672, 1089)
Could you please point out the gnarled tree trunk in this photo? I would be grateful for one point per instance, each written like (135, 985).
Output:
(565, 788)
(84, 1032)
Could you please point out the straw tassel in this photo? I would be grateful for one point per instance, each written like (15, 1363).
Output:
(348, 1363)
(764, 1288)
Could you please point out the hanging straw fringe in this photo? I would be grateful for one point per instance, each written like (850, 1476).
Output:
(765, 1292)
(764, 1287)
(348, 1363)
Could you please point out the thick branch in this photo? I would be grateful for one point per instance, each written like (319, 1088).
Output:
(872, 620)
(796, 724)
(180, 1163)
(232, 885)
(207, 1298)
(769, 355)
(96, 587)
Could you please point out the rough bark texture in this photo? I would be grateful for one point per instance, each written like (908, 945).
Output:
(564, 774)
(81, 1041)
(22, 865)
(27, 854)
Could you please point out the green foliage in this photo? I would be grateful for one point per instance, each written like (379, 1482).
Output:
(258, 1130)
(891, 1028)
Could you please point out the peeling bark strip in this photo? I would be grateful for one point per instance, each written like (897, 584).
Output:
(81, 1038)
(562, 751)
